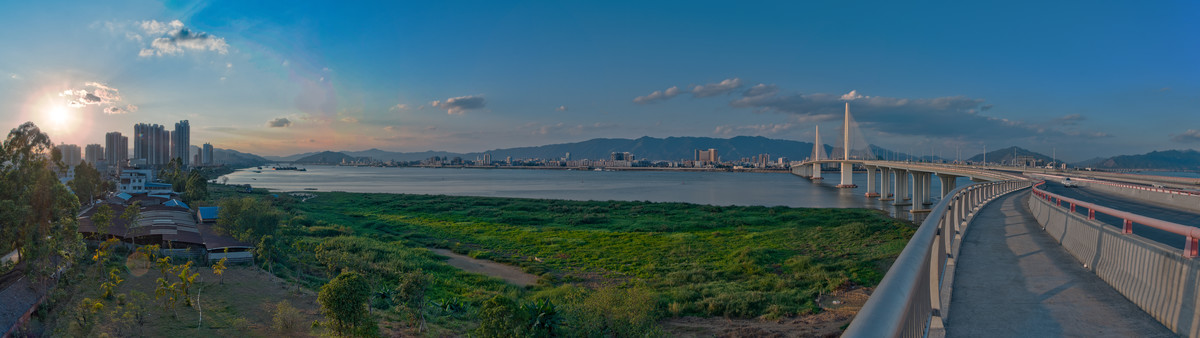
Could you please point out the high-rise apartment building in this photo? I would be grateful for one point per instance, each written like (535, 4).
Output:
(181, 144)
(152, 143)
(206, 155)
(707, 156)
(116, 150)
(93, 154)
(70, 154)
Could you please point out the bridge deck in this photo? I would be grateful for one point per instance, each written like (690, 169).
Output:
(1014, 280)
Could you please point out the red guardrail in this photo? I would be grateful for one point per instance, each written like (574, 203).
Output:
(1192, 234)
(1129, 186)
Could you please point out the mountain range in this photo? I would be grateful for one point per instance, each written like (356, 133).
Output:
(683, 148)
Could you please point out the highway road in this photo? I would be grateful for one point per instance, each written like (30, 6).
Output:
(1139, 207)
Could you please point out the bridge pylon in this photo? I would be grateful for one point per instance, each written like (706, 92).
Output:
(847, 167)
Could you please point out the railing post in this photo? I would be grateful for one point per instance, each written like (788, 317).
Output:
(1072, 207)
(1091, 213)
(1128, 227)
(1190, 247)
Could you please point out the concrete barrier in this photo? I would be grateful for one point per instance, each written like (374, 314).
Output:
(1154, 276)
(1187, 202)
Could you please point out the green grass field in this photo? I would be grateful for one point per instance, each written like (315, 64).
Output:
(697, 259)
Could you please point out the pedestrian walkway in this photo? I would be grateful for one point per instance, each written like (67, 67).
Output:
(1013, 280)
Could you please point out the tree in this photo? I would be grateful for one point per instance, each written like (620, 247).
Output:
(498, 318)
(196, 187)
(102, 219)
(409, 296)
(114, 279)
(219, 268)
(131, 215)
(344, 302)
(247, 219)
(87, 183)
(37, 212)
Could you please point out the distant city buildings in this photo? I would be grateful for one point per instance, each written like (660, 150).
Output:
(70, 154)
(116, 152)
(181, 143)
(206, 154)
(706, 156)
(93, 154)
(151, 144)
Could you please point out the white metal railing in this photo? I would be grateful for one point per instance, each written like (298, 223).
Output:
(908, 301)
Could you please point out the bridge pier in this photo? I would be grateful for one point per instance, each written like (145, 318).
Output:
(902, 191)
(920, 197)
(871, 181)
(948, 183)
(885, 186)
(847, 176)
(816, 175)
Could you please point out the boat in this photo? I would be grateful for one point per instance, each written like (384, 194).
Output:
(301, 169)
(285, 168)
(257, 171)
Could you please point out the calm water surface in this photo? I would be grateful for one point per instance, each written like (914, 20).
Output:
(714, 188)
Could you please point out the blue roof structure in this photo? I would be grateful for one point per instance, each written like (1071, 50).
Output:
(207, 213)
(124, 196)
(176, 203)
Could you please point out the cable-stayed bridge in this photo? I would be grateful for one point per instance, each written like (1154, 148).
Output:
(1048, 252)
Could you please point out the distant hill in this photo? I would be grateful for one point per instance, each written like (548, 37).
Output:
(325, 157)
(649, 148)
(384, 155)
(1167, 159)
(1006, 155)
(237, 158)
(668, 149)
(290, 158)
(1092, 162)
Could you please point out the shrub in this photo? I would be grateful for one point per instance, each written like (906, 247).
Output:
(287, 319)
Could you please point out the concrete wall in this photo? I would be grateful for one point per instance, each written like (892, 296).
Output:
(1154, 276)
(1179, 201)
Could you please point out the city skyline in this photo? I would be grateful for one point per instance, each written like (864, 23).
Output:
(1097, 80)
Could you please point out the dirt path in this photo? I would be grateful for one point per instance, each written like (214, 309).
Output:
(508, 273)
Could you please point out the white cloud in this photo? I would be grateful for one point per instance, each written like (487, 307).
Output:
(657, 95)
(349, 119)
(399, 106)
(760, 90)
(97, 94)
(1189, 136)
(459, 105)
(851, 96)
(172, 38)
(561, 108)
(713, 89)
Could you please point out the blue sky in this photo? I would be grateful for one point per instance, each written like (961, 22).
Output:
(276, 78)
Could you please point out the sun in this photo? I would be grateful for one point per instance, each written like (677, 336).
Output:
(61, 118)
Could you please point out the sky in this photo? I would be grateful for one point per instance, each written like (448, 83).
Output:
(1079, 79)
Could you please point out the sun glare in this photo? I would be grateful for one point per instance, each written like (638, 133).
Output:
(61, 118)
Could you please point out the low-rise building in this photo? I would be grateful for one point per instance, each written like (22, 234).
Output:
(169, 223)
